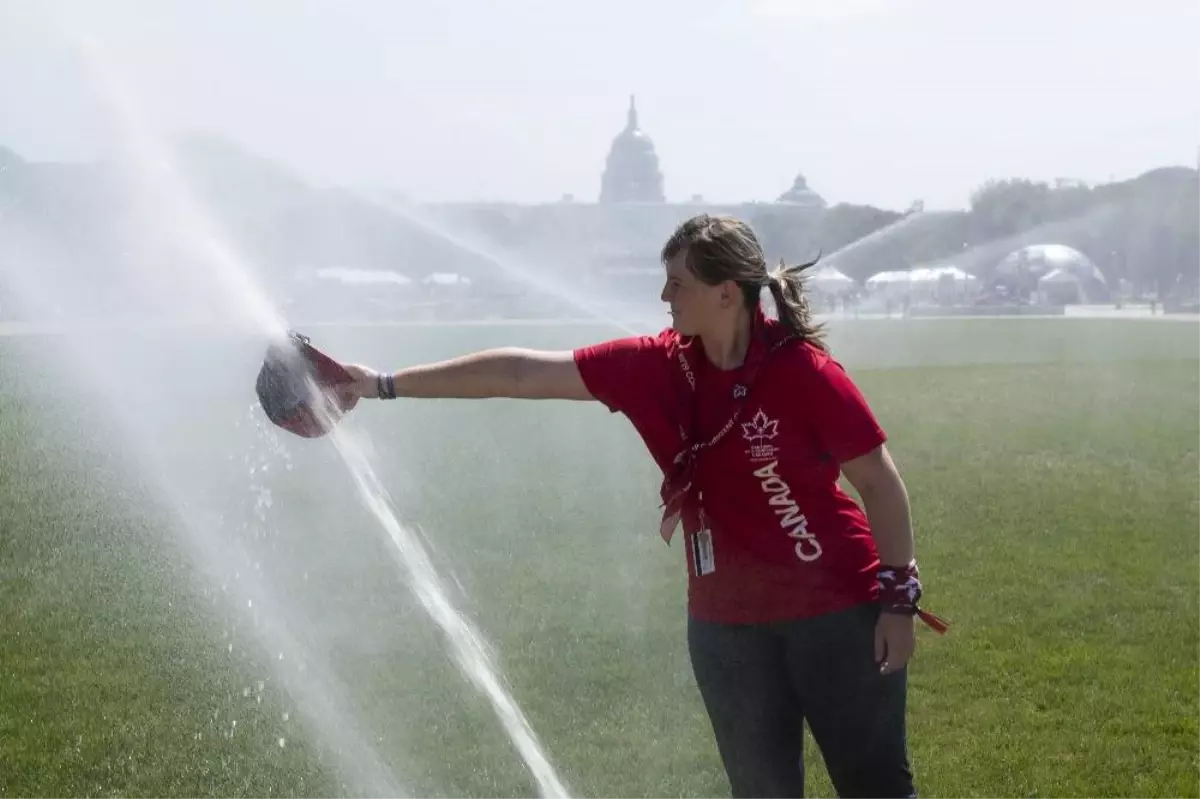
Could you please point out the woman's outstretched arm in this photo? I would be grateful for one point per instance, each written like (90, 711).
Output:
(507, 372)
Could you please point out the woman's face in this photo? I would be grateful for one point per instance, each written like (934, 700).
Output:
(694, 304)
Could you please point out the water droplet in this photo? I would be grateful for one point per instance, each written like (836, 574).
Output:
(281, 656)
(249, 603)
(231, 647)
(282, 743)
(245, 692)
(287, 716)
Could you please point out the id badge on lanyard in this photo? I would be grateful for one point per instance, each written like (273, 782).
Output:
(703, 558)
(679, 481)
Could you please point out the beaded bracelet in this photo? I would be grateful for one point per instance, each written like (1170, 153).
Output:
(386, 384)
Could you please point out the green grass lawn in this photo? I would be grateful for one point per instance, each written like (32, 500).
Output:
(1053, 467)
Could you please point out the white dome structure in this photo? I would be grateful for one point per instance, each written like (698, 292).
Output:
(1039, 260)
(1056, 271)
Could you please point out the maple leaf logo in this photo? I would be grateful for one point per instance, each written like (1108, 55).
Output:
(760, 428)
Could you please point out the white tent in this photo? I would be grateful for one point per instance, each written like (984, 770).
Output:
(363, 276)
(932, 274)
(1060, 286)
(1059, 276)
(955, 274)
(829, 279)
(446, 279)
(889, 278)
(923, 275)
(940, 284)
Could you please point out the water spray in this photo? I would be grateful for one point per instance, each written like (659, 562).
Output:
(291, 361)
(541, 281)
(299, 389)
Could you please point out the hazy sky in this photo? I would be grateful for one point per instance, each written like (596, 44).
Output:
(875, 101)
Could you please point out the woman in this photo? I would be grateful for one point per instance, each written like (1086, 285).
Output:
(800, 605)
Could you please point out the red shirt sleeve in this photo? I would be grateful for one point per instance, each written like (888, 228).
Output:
(843, 422)
(618, 372)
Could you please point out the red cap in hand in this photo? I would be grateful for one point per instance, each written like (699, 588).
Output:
(285, 393)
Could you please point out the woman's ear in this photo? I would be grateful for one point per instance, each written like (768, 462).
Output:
(731, 293)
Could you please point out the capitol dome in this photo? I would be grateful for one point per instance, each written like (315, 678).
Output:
(631, 172)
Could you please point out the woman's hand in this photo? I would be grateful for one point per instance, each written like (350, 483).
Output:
(364, 384)
(895, 640)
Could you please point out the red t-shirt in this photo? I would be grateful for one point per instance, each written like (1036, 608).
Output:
(786, 541)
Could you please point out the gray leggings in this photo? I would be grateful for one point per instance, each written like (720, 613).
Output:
(761, 683)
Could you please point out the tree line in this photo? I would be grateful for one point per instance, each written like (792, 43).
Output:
(1145, 230)
(83, 224)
